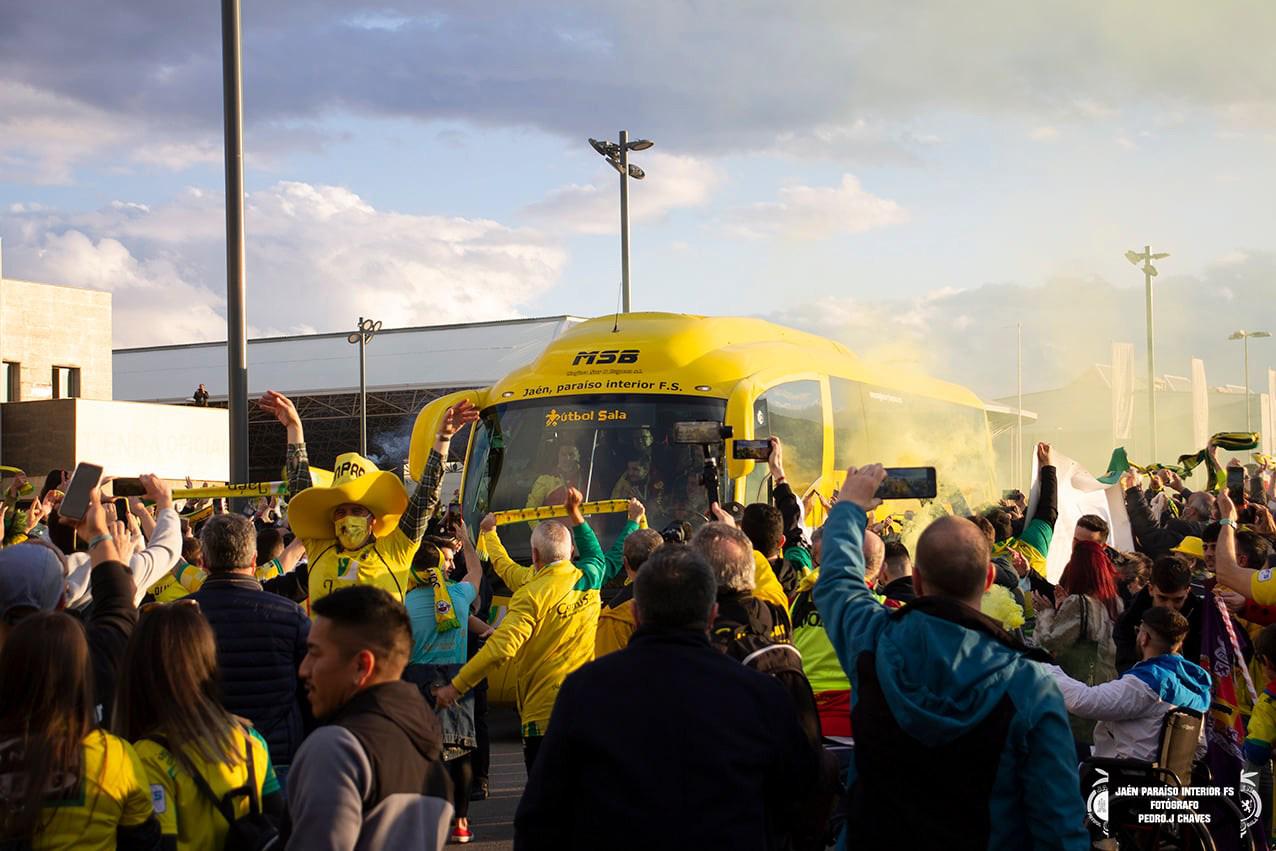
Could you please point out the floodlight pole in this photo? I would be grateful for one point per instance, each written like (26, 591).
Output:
(1244, 336)
(1019, 432)
(1248, 421)
(1147, 277)
(236, 324)
(624, 221)
(367, 329)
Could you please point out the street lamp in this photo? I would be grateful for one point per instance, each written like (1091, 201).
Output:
(1149, 272)
(1245, 337)
(363, 334)
(618, 156)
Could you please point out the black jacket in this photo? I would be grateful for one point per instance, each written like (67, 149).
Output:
(709, 754)
(1127, 629)
(1154, 540)
(261, 640)
(739, 612)
(108, 626)
(900, 589)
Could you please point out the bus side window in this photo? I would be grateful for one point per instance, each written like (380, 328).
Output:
(794, 413)
(850, 430)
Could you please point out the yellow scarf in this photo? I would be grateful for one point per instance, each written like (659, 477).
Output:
(445, 618)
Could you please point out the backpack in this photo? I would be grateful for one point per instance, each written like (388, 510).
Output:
(253, 832)
(807, 828)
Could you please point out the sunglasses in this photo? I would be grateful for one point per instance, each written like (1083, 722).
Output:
(184, 601)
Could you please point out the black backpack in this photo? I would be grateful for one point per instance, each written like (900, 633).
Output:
(253, 832)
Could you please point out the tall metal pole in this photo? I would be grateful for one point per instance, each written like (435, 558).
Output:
(1248, 422)
(363, 393)
(1019, 433)
(1147, 276)
(236, 322)
(624, 221)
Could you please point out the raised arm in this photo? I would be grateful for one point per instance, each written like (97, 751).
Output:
(513, 574)
(615, 556)
(1251, 583)
(1116, 700)
(1039, 530)
(473, 567)
(297, 470)
(515, 629)
(591, 560)
(851, 614)
(785, 499)
(426, 496)
(165, 547)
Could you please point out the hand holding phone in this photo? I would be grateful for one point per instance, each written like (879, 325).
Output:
(751, 450)
(1236, 485)
(80, 492)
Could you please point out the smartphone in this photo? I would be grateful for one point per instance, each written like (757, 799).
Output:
(908, 483)
(127, 487)
(121, 510)
(453, 517)
(84, 481)
(1236, 485)
(751, 450)
(700, 432)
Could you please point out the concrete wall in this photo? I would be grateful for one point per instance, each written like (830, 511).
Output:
(42, 326)
(127, 438)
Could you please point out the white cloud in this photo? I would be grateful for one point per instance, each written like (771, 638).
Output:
(1044, 133)
(815, 212)
(968, 335)
(672, 182)
(318, 256)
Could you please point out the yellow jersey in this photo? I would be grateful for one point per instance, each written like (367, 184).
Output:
(183, 811)
(109, 792)
(548, 630)
(383, 562)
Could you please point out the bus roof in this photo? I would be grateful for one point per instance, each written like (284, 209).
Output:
(636, 352)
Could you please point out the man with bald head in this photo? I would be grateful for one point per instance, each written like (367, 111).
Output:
(941, 692)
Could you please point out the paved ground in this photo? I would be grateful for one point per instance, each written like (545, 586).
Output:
(493, 820)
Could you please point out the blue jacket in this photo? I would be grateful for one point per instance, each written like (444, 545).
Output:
(261, 640)
(956, 728)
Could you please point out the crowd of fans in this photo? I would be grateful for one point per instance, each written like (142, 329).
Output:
(174, 675)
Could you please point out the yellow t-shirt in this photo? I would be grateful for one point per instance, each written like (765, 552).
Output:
(383, 563)
(1262, 587)
(109, 792)
(180, 807)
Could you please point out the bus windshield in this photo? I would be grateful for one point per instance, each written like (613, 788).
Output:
(525, 454)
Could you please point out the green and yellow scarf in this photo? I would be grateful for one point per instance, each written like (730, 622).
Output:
(445, 618)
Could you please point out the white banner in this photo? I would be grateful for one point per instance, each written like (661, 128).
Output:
(1080, 493)
(1122, 391)
(1200, 404)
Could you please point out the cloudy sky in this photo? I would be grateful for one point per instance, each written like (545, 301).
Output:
(912, 178)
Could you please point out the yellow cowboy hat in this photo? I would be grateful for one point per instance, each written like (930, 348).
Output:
(1191, 546)
(356, 480)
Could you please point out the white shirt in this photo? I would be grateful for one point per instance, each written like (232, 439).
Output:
(1129, 713)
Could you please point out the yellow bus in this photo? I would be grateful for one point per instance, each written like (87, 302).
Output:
(596, 410)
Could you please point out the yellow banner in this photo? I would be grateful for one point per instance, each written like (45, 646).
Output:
(232, 491)
(549, 512)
